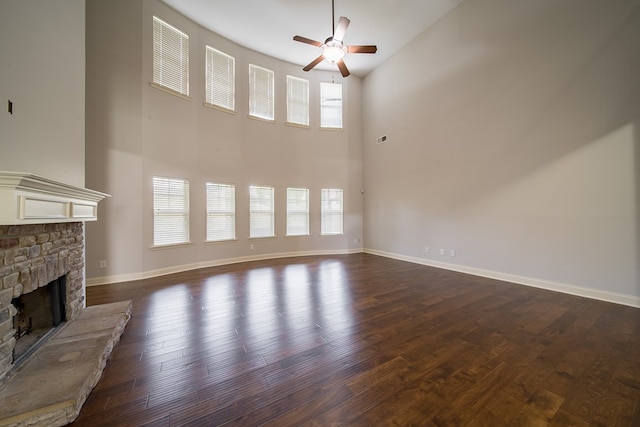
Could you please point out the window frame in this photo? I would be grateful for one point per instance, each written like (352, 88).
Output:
(297, 213)
(166, 211)
(326, 212)
(215, 85)
(256, 212)
(227, 216)
(297, 101)
(325, 107)
(177, 80)
(259, 94)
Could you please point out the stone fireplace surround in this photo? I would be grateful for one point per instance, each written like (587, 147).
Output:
(42, 239)
(31, 256)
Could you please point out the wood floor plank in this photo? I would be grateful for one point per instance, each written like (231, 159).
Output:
(362, 340)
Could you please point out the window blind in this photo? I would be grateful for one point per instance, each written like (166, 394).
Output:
(331, 105)
(170, 211)
(221, 211)
(331, 211)
(261, 212)
(297, 101)
(261, 92)
(170, 57)
(297, 211)
(220, 79)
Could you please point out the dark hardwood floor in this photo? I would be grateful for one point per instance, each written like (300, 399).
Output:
(366, 341)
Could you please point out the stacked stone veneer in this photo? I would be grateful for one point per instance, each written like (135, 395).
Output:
(31, 256)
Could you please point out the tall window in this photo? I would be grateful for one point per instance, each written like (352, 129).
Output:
(261, 212)
(221, 79)
(331, 211)
(297, 101)
(170, 57)
(261, 92)
(170, 211)
(297, 211)
(221, 212)
(331, 105)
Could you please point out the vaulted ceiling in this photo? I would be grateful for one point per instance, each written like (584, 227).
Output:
(268, 26)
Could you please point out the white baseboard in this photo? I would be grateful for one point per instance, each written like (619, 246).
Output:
(613, 297)
(105, 280)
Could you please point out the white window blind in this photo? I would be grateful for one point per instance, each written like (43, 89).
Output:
(170, 57)
(221, 211)
(221, 79)
(331, 211)
(261, 92)
(170, 211)
(297, 211)
(331, 105)
(261, 212)
(297, 101)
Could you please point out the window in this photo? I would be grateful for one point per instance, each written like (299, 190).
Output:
(261, 95)
(170, 211)
(221, 212)
(261, 212)
(331, 221)
(170, 57)
(297, 212)
(297, 101)
(331, 105)
(221, 76)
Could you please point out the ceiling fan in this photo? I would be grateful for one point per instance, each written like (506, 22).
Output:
(333, 48)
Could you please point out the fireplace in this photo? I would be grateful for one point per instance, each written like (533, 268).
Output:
(41, 286)
(39, 313)
(32, 259)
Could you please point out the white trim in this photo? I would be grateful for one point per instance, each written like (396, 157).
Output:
(31, 199)
(105, 280)
(613, 297)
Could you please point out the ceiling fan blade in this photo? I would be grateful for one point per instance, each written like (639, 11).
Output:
(341, 29)
(313, 63)
(307, 41)
(343, 68)
(362, 49)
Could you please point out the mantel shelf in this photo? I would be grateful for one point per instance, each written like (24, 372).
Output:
(26, 198)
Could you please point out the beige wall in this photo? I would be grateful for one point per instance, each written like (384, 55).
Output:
(42, 73)
(514, 139)
(135, 132)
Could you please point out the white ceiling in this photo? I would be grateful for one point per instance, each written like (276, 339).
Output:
(268, 26)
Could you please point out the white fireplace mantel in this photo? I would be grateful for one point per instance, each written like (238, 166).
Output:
(31, 199)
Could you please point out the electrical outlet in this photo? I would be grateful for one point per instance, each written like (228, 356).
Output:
(452, 252)
(250, 247)
(103, 263)
(426, 249)
(441, 251)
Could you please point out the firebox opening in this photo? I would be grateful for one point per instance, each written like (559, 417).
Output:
(38, 314)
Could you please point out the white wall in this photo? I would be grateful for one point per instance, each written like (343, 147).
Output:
(135, 132)
(513, 138)
(42, 73)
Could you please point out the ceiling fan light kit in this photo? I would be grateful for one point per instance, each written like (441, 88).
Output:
(333, 49)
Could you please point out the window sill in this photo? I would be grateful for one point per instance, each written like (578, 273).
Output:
(220, 241)
(219, 108)
(170, 91)
(170, 246)
(297, 125)
(261, 119)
